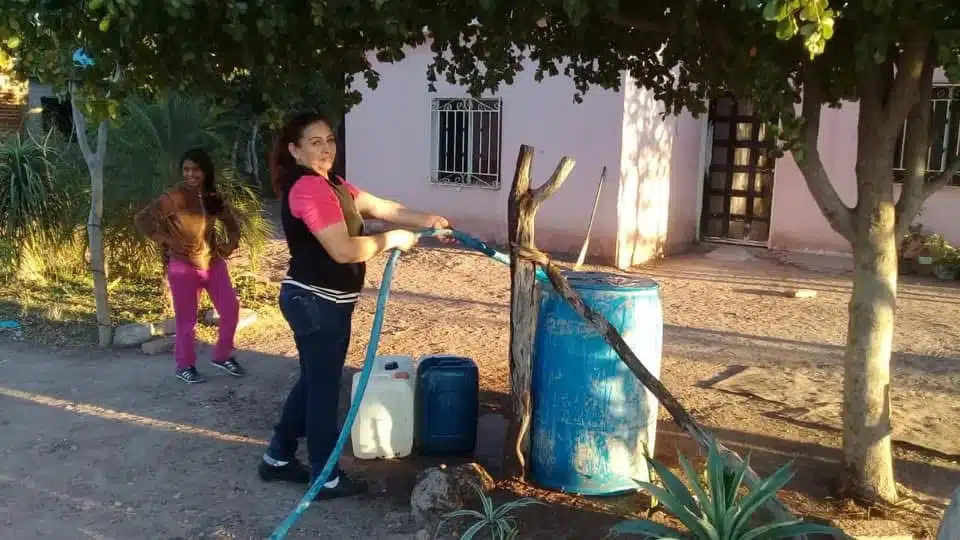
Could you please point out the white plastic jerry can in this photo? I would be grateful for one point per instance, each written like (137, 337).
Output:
(384, 426)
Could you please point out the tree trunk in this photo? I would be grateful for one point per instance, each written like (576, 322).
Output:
(97, 253)
(94, 160)
(524, 303)
(254, 161)
(871, 230)
(867, 453)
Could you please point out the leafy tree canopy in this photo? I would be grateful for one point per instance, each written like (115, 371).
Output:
(267, 52)
(688, 51)
(261, 52)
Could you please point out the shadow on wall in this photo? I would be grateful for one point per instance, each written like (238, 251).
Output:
(644, 193)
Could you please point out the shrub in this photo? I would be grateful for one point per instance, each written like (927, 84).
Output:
(497, 521)
(40, 192)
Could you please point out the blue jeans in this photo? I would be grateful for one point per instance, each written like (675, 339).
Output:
(321, 330)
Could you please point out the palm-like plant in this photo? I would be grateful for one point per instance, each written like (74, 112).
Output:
(714, 508)
(497, 520)
(30, 198)
(39, 212)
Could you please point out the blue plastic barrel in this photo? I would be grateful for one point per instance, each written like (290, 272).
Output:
(447, 405)
(592, 418)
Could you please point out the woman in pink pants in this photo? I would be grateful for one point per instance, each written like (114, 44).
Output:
(182, 221)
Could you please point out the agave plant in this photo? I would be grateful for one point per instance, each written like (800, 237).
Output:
(496, 520)
(31, 201)
(713, 507)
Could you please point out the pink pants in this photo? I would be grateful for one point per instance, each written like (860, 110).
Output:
(186, 281)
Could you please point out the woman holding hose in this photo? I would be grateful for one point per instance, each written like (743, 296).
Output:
(322, 217)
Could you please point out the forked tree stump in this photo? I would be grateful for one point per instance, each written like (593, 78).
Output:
(524, 301)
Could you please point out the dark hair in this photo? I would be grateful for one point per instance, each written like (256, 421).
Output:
(212, 201)
(292, 130)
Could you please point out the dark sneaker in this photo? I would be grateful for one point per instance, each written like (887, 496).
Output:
(346, 487)
(230, 366)
(294, 471)
(190, 376)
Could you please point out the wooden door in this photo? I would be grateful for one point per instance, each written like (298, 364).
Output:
(738, 185)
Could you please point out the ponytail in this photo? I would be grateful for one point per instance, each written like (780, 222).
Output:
(281, 161)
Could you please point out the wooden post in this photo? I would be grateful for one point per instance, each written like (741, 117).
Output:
(524, 302)
(702, 437)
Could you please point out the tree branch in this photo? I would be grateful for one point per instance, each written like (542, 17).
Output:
(626, 21)
(839, 216)
(916, 139)
(80, 126)
(941, 180)
(101, 141)
(680, 415)
(556, 179)
(906, 83)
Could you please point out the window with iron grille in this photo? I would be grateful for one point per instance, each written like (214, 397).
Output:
(945, 144)
(466, 142)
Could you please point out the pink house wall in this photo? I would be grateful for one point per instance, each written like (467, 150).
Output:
(798, 224)
(389, 141)
(649, 201)
(659, 186)
(650, 205)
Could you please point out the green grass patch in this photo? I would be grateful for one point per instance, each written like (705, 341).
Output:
(61, 311)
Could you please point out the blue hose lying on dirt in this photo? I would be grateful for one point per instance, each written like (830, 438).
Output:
(473, 243)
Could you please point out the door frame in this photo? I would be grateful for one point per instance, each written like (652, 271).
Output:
(703, 163)
(704, 156)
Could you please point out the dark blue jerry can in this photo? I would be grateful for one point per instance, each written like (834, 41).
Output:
(593, 420)
(447, 405)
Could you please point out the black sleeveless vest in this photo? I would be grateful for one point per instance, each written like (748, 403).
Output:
(310, 264)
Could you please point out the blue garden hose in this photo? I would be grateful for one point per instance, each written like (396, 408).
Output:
(281, 531)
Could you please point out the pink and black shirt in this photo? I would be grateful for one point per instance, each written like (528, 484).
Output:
(309, 204)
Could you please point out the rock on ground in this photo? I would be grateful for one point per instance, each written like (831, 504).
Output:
(440, 490)
(166, 327)
(802, 293)
(131, 335)
(158, 346)
(247, 318)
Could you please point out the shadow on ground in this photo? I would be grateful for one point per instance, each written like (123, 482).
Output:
(109, 445)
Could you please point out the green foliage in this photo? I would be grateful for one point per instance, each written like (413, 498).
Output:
(813, 19)
(688, 53)
(39, 190)
(263, 54)
(497, 521)
(31, 199)
(61, 311)
(271, 49)
(715, 508)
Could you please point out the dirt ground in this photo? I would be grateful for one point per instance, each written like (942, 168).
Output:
(148, 457)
